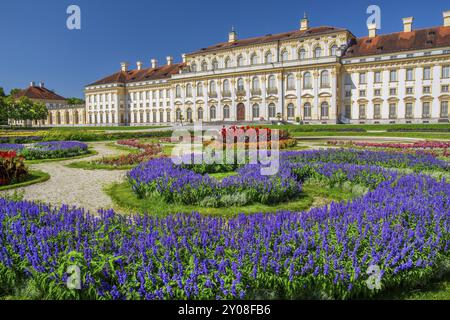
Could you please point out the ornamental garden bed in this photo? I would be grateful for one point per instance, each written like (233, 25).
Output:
(50, 150)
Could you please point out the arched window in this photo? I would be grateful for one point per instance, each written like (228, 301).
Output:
(317, 52)
(212, 87)
(255, 83)
(227, 62)
(240, 60)
(268, 57)
(200, 113)
(226, 86)
(284, 55)
(325, 79)
(272, 110)
(240, 84)
(200, 89)
(204, 66)
(307, 80)
(178, 91)
(272, 83)
(307, 110)
(254, 59)
(226, 112)
(189, 90)
(212, 112)
(324, 110)
(290, 110)
(255, 110)
(302, 54)
(189, 114)
(193, 67)
(290, 82)
(334, 50)
(178, 114)
(215, 64)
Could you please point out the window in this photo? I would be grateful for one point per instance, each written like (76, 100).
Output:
(226, 87)
(212, 112)
(227, 62)
(409, 90)
(444, 109)
(409, 74)
(194, 67)
(377, 92)
(307, 110)
(393, 91)
(255, 110)
(377, 77)
(362, 78)
(362, 111)
(307, 80)
(215, 64)
(317, 52)
(178, 114)
(189, 90)
(325, 79)
(255, 83)
(240, 61)
(302, 54)
(290, 82)
(427, 73)
(348, 111)
(226, 112)
(377, 111)
(254, 59)
(168, 116)
(444, 88)
(426, 90)
(272, 83)
(284, 55)
(212, 87)
(290, 111)
(200, 89)
(204, 66)
(324, 110)
(392, 110)
(393, 76)
(177, 92)
(426, 110)
(240, 84)
(446, 72)
(362, 93)
(268, 57)
(409, 110)
(189, 114)
(272, 110)
(334, 50)
(200, 114)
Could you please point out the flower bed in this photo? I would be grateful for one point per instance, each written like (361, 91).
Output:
(12, 168)
(148, 152)
(54, 150)
(402, 227)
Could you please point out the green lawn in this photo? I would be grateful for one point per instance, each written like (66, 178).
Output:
(313, 195)
(90, 153)
(109, 128)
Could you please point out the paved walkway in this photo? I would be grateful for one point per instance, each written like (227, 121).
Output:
(77, 187)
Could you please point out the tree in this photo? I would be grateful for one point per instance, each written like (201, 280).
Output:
(2, 93)
(14, 91)
(39, 111)
(20, 109)
(3, 111)
(74, 101)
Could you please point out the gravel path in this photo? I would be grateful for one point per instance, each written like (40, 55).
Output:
(75, 187)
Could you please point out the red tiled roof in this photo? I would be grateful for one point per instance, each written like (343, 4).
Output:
(401, 41)
(149, 74)
(39, 93)
(270, 38)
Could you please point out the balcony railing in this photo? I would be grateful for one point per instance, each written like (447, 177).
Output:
(377, 116)
(212, 94)
(226, 93)
(240, 92)
(426, 116)
(256, 92)
(392, 116)
(272, 90)
(409, 116)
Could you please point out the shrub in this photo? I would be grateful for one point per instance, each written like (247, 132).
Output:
(12, 168)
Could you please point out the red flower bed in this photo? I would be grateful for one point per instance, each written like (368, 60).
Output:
(266, 133)
(149, 151)
(12, 168)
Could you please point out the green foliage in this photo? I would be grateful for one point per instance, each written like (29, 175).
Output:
(75, 101)
(86, 135)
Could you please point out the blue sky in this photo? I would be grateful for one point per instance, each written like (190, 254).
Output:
(36, 45)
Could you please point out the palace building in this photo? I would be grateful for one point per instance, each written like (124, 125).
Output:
(313, 75)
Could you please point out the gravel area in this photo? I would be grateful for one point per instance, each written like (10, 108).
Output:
(75, 187)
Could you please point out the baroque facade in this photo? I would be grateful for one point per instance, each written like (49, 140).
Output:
(322, 75)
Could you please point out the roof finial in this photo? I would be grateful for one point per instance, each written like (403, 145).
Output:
(305, 16)
(233, 29)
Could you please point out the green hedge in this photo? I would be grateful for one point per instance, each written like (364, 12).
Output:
(80, 135)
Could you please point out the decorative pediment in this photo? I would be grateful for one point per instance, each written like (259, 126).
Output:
(377, 100)
(393, 100)
(291, 96)
(212, 101)
(427, 98)
(324, 94)
(255, 99)
(362, 101)
(444, 97)
(272, 98)
(307, 96)
(226, 100)
(200, 101)
(409, 99)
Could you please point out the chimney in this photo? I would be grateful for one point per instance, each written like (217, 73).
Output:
(232, 36)
(446, 15)
(372, 30)
(407, 24)
(304, 23)
(32, 84)
(154, 63)
(183, 56)
(124, 66)
(169, 60)
(139, 65)
(41, 84)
